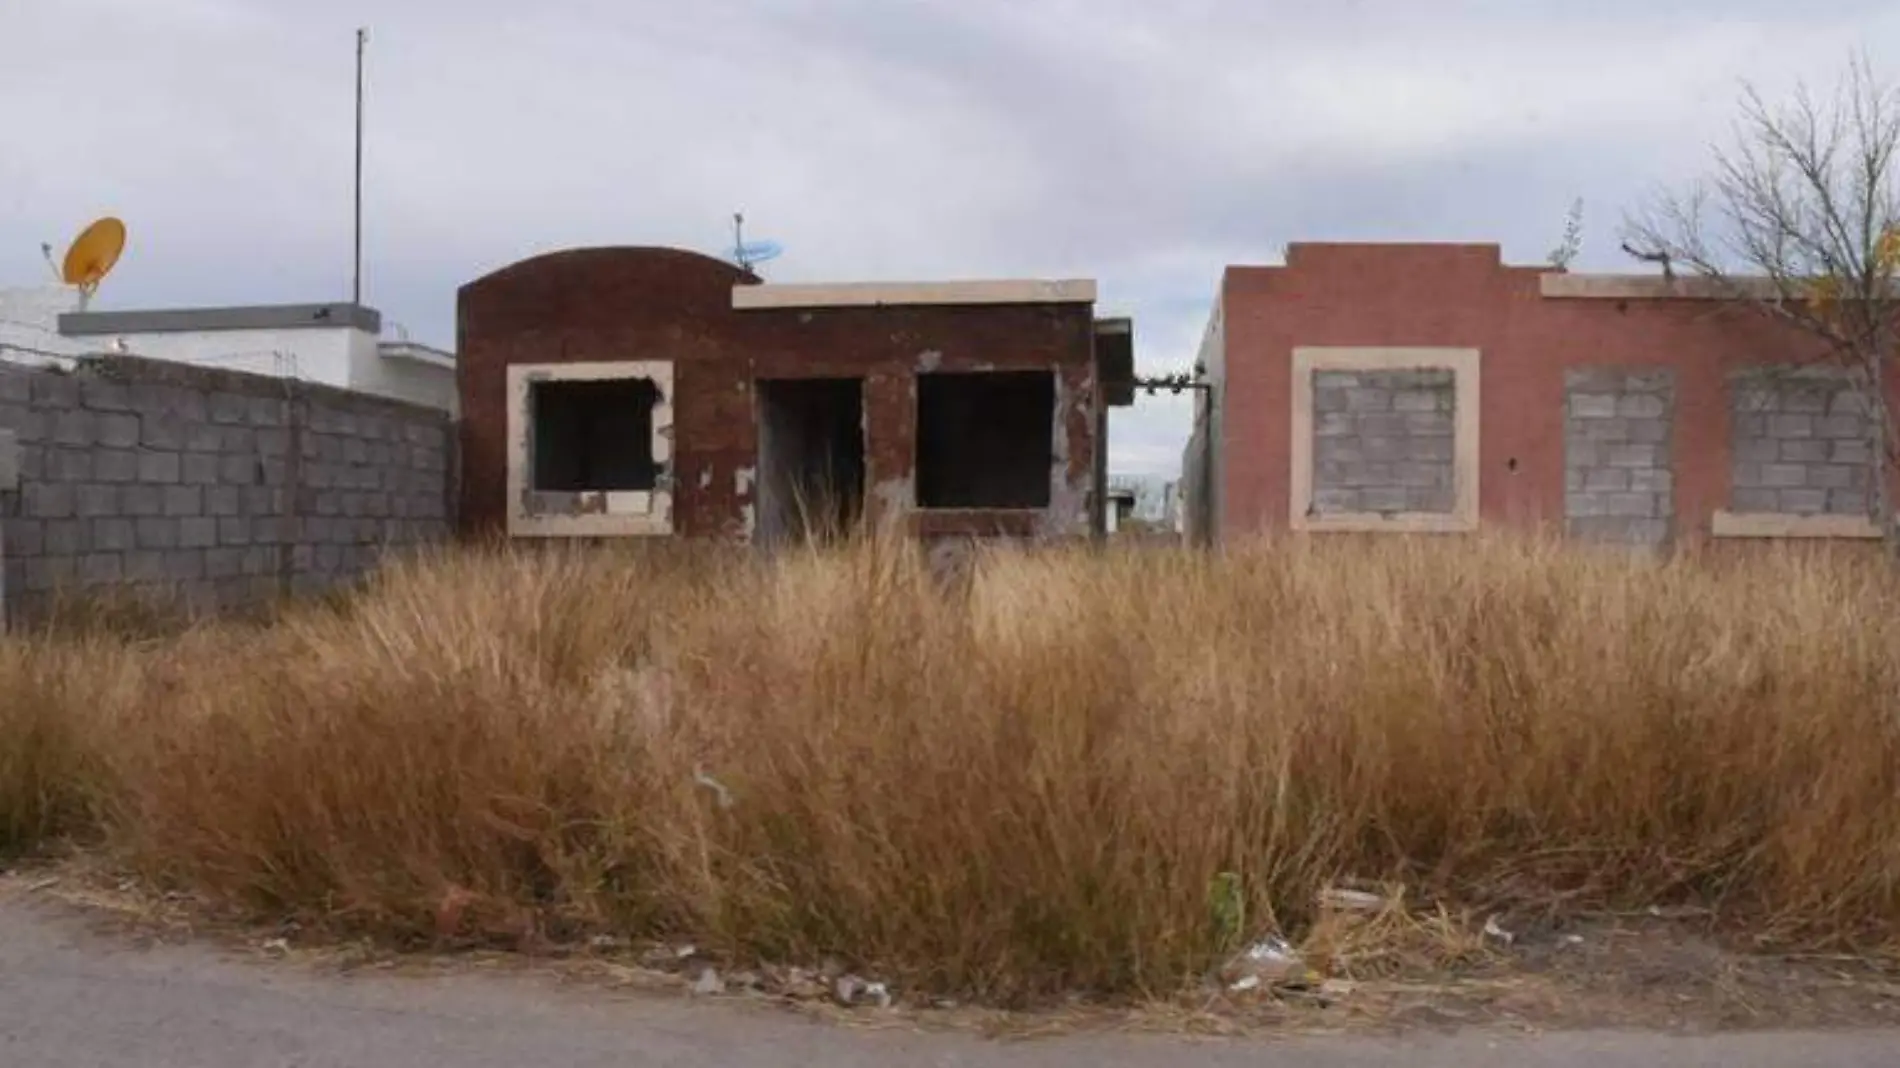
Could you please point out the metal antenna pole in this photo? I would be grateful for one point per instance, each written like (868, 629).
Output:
(356, 275)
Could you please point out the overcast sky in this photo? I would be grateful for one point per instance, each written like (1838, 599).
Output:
(1143, 144)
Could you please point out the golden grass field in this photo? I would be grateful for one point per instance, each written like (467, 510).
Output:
(1077, 770)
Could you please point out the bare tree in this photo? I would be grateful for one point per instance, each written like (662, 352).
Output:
(1801, 220)
(1566, 251)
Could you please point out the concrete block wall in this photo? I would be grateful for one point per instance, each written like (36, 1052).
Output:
(1618, 480)
(1800, 443)
(225, 488)
(1383, 441)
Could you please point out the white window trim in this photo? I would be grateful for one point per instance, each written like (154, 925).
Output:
(1726, 524)
(604, 514)
(1462, 363)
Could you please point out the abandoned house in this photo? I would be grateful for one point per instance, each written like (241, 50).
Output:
(615, 392)
(1432, 388)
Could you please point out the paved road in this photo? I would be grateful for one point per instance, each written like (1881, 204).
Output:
(69, 998)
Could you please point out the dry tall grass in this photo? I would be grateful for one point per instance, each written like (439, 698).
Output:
(1024, 785)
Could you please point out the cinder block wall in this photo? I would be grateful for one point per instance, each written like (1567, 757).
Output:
(225, 488)
(1383, 441)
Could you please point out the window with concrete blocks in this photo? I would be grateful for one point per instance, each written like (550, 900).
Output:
(1800, 457)
(1618, 480)
(985, 439)
(1384, 439)
(590, 445)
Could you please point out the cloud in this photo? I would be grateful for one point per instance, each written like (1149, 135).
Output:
(1142, 144)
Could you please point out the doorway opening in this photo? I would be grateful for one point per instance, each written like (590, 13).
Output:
(811, 458)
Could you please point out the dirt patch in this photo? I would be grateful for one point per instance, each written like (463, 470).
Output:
(1387, 974)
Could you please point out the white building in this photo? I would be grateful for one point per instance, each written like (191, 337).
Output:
(337, 345)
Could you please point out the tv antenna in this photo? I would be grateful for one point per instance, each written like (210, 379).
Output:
(745, 253)
(90, 257)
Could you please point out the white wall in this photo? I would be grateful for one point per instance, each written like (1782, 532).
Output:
(404, 379)
(315, 354)
(29, 320)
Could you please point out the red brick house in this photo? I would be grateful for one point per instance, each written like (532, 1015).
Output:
(1393, 387)
(638, 392)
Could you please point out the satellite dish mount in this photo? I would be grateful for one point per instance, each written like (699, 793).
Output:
(747, 254)
(92, 256)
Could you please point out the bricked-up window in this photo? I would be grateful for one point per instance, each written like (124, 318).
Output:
(1800, 443)
(593, 436)
(985, 439)
(1384, 441)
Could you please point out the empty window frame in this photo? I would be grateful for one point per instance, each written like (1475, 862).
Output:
(589, 448)
(985, 440)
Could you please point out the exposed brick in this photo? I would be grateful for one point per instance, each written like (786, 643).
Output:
(239, 440)
(16, 386)
(68, 465)
(1610, 479)
(265, 411)
(47, 500)
(1851, 452)
(1804, 451)
(199, 469)
(98, 569)
(24, 537)
(65, 537)
(117, 430)
(201, 437)
(184, 500)
(158, 467)
(104, 395)
(1651, 480)
(1847, 502)
(27, 424)
(113, 465)
(184, 565)
(224, 563)
(144, 566)
(113, 534)
(1781, 476)
(1804, 501)
(157, 533)
(56, 392)
(197, 532)
(1631, 504)
(222, 500)
(141, 500)
(1593, 406)
(227, 408)
(240, 470)
(92, 499)
(234, 530)
(75, 427)
(1633, 455)
(1791, 426)
(49, 572)
(162, 430)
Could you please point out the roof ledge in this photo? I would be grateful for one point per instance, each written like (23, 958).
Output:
(880, 294)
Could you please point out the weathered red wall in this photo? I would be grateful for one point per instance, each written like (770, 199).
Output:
(1462, 295)
(610, 304)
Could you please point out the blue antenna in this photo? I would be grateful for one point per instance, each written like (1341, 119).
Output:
(746, 253)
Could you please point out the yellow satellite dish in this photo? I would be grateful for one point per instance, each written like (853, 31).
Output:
(93, 254)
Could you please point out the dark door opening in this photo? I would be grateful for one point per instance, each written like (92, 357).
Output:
(985, 439)
(811, 458)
